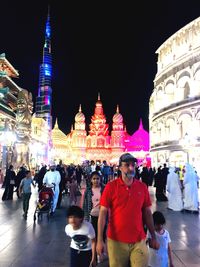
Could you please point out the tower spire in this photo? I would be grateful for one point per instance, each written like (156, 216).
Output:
(80, 110)
(117, 111)
(44, 98)
(48, 14)
(99, 96)
(48, 27)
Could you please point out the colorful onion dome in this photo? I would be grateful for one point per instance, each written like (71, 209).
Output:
(117, 118)
(80, 117)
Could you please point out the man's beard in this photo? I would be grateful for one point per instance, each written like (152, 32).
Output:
(130, 175)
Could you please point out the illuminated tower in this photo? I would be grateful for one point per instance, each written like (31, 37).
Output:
(98, 126)
(98, 140)
(117, 134)
(79, 137)
(44, 98)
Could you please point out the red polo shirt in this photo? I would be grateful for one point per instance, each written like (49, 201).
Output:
(125, 206)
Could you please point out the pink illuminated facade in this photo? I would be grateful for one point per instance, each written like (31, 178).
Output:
(98, 144)
(138, 144)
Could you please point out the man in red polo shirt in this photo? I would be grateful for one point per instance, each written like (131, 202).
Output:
(127, 202)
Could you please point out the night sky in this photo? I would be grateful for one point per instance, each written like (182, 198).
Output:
(96, 48)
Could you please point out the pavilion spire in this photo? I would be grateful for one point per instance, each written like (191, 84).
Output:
(117, 111)
(80, 109)
(99, 98)
(56, 123)
(141, 125)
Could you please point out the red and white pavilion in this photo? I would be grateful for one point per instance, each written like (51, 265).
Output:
(97, 144)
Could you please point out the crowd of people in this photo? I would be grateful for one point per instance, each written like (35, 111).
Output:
(108, 206)
(112, 195)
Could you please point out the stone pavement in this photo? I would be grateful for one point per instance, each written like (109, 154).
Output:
(44, 243)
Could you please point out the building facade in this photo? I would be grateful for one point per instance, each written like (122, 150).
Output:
(8, 104)
(174, 106)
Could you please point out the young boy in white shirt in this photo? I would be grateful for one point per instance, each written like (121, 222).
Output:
(163, 256)
(83, 242)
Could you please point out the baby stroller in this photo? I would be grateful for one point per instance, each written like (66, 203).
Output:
(45, 202)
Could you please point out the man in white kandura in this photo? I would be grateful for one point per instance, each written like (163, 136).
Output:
(175, 199)
(52, 179)
(190, 200)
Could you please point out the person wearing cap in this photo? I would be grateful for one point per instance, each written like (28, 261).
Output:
(127, 202)
(52, 179)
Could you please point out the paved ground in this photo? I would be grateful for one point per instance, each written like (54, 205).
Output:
(44, 244)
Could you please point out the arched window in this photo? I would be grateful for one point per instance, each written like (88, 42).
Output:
(186, 90)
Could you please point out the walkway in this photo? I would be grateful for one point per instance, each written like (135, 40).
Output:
(44, 244)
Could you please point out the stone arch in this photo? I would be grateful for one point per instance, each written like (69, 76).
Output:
(170, 81)
(186, 91)
(183, 88)
(185, 123)
(197, 117)
(152, 135)
(196, 81)
(159, 98)
(169, 92)
(171, 128)
(183, 74)
(159, 91)
(161, 130)
(197, 73)
(185, 112)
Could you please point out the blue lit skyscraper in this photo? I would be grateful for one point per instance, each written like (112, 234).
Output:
(44, 98)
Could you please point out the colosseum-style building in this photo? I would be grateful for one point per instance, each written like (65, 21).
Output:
(174, 107)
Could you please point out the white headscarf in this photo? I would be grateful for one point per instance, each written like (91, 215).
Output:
(172, 180)
(190, 175)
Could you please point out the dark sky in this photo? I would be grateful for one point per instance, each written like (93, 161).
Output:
(96, 48)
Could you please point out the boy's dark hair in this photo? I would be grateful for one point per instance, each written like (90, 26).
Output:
(27, 172)
(158, 218)
(75, 211)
